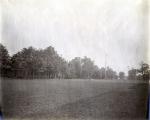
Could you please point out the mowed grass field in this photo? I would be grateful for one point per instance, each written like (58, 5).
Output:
(74, 99)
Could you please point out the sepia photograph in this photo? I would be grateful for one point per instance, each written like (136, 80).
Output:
(74, 59)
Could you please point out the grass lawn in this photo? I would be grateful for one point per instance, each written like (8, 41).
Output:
(74, 99)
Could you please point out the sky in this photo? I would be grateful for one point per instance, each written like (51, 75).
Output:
(117, 29)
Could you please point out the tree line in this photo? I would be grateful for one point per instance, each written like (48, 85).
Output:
(46, 63)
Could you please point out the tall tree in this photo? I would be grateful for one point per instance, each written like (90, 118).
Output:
(88, 67)
(4, 61)
(132, 74)
(121, 75)
(75, 67)
(145, 71)
(25, 63)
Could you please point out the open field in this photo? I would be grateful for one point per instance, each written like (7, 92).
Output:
(74, 99)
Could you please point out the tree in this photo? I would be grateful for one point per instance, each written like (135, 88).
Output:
(102, 73)
(121, 75)
(44, 63)
(50, 62)
(47, 63)
(4, 61)
(25, 63)
(132, 74)
(144, 71)
(88, 68)
(75, 67)
(110, 74)
(96, 73)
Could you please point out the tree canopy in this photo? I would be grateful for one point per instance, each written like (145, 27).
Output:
(47, 63)
(4, 60)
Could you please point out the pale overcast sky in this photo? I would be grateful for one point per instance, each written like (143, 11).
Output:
(79, 28)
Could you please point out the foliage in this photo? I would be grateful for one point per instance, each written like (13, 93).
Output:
(121, 75)
(132, 74)
(4, 60)
(46, 63)
(143, 73)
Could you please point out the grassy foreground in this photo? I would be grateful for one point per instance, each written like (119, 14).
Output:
(74, 99)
